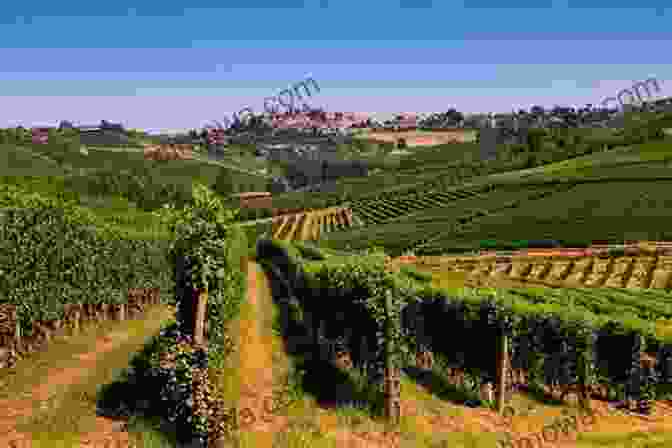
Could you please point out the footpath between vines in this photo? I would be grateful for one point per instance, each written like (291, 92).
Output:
(52, 395)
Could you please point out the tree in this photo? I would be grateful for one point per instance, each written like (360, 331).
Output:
(535, 138)
(224, 184)
(454, 116)
(64, 124)
(530, 161)
(325, 169)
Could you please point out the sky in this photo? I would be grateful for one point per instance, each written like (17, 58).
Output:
(173, 65)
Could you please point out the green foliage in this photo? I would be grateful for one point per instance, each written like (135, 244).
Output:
(607, 208)
(352, 289)
(444, 166)
(108, 209)
(535, 140)
(162, 375)
(257, 230)
(60, 147)
(309, 252)
(555, 334)
(246, 214)
(140, 185)
(415, 274)
(53, 252)
(213, 247)
(224, 184)
(428, 215)
(290, 247)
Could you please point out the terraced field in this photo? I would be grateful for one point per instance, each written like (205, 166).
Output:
(611, 211)
(577, 211)
(432, 214)
(642, 271)
(312, 225)
(391, 206)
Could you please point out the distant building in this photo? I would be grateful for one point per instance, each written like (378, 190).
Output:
(40, 136)
(217, 137)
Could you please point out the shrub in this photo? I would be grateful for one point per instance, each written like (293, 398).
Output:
(160, 383)
(310, 252)
(412, 272)
(535, 139)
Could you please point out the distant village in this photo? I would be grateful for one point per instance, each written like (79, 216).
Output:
(331, 128)
(306, 143)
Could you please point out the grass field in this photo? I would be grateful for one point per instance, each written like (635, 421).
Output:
(17, 161)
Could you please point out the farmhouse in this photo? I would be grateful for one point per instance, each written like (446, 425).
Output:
(40, 135)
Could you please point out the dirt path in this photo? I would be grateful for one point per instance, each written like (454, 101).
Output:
(40, 401)
(255, 367)
(261, 415)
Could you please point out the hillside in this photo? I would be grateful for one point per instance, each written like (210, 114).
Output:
(451, 165)
(311, 304)
(620, 194)
(119, 184)
(22, 161)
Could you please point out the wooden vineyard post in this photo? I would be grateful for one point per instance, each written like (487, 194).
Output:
(502, 369)
(10, 326)
(201, 298)
(584, 370)
(41, 328)
(320, 344)
(105, 310)
(76, 317)
(120, 312)
(392, 383)
(423, 359)
(634, 386)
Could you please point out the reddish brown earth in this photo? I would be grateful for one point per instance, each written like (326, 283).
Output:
(421, 138)
(12, 411)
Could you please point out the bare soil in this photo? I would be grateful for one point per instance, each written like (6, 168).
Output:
(36, 393)
(422, 138)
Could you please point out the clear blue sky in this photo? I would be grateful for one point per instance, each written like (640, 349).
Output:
(167, 66)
